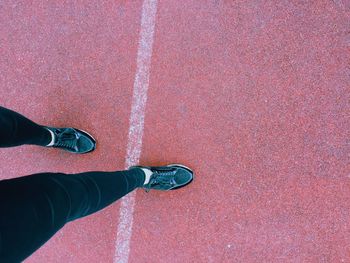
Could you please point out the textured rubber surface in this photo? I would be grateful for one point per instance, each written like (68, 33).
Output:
(254, 95)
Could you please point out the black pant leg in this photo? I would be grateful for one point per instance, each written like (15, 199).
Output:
(16, 129)
(33, 208)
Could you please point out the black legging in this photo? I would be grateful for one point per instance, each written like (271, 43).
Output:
(33, 208)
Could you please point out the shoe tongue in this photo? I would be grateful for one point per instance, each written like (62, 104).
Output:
(67, 138)
(164, 178)
(67, 134)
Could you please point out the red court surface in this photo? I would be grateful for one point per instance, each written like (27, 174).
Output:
(253, 95)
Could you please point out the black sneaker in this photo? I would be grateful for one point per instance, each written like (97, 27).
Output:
(170, 177)
(73, 140)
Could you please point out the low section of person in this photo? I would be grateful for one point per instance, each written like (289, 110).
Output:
(34, 207)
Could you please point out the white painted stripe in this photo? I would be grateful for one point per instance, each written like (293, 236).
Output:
(144, 54)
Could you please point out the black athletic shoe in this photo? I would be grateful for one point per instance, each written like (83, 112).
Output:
(170, 177)
(73, 140)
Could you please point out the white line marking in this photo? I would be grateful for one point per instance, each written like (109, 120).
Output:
(141, 83)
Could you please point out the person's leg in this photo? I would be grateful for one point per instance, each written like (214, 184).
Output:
(33, 208)
(16, 130)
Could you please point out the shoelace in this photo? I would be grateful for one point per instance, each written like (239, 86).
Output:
(161, 178)
(67, 140)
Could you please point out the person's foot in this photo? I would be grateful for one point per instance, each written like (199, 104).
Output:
(72, 140)
(170, 177)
